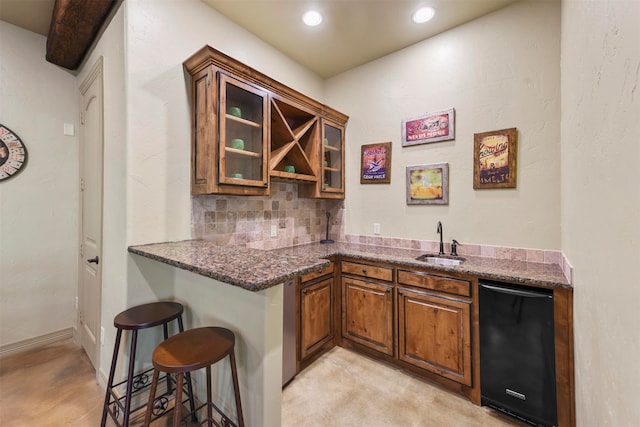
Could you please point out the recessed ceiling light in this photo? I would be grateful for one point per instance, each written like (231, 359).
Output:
(423, 14)
(312, 18)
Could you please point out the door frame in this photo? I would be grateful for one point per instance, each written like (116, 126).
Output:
(96, 73)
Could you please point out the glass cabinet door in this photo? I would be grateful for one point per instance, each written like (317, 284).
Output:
(243, 134)
(332, 156)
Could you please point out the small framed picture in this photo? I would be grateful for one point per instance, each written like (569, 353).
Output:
(375, 163)
(428, 184)
(495, 159)
(432, 127)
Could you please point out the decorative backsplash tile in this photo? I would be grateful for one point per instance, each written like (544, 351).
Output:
(247, 220)
(487, 251)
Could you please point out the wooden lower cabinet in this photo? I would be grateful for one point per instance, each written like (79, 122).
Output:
(367, 314)
(425, 321)
(434, 333)
(316, 316)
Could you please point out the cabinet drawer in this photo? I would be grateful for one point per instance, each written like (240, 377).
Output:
(367, 270)
(436, 283)
(325, 271)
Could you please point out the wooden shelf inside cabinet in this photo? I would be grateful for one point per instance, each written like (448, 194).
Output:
(243, 121)
(296, 176)
(242, 152)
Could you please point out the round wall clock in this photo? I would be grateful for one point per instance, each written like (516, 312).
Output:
(13, 153)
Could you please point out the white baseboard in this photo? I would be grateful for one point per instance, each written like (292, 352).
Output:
(33, 343)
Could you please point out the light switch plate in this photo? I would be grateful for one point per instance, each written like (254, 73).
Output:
(376, 228)
(69, 129)
(274, 230)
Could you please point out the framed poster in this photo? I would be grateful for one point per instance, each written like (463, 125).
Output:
(495, 159)
(375, 163)
(428, 184)
(432, 127)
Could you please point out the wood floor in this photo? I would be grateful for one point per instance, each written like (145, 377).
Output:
(55, 386)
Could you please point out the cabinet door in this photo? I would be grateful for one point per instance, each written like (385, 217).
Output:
(243, 134)
(332, 158)
(316, 316)
(367, 314)
(435, 334)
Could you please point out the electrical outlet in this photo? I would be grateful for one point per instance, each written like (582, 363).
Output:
(274, 230)
(101, 335)
(376, 228)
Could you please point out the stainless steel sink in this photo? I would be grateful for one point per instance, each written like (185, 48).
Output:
(439, 259)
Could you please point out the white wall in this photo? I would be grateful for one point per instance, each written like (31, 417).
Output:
(499, 71)
(147, 133)
(601, 203)
(38, 207)
(160, 36)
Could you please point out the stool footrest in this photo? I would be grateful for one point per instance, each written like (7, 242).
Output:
(162, 400)
(224, 421)
(141, 382)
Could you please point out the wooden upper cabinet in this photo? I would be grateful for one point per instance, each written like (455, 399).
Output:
(294, 141)
(282, 132)
(243, 134)
(332, 158)
(330, 184)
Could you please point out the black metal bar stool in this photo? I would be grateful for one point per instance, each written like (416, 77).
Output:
(187, 352)
(133, 319)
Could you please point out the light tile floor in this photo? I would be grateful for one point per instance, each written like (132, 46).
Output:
(55, 386)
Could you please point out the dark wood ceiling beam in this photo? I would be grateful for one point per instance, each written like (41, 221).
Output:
(74, 26)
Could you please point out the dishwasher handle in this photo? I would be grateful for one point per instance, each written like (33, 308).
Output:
(517, 292)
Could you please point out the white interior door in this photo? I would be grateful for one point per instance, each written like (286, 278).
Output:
(90, 283)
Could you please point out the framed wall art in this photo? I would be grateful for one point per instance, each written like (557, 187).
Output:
(375, 163)
(428, 184)
(13, 153)
(495, 159)
(432, 127)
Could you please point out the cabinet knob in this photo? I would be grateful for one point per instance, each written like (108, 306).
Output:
(388, 290)
(364, 271)
(305, 291)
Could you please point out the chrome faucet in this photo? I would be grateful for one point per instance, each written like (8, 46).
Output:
(439, 231)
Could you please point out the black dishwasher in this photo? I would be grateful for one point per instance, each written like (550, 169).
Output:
(517, 356)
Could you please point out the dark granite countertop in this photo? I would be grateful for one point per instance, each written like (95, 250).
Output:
(255, 269)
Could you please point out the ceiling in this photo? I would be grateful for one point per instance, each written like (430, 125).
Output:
(353, 32)
(32, 15)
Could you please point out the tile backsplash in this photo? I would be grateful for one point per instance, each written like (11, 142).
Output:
(487, 251)
(248, 220)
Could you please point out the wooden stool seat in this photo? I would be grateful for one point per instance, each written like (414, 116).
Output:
(187, 352)
(193, 349)
(148, 315)
(144, 316)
